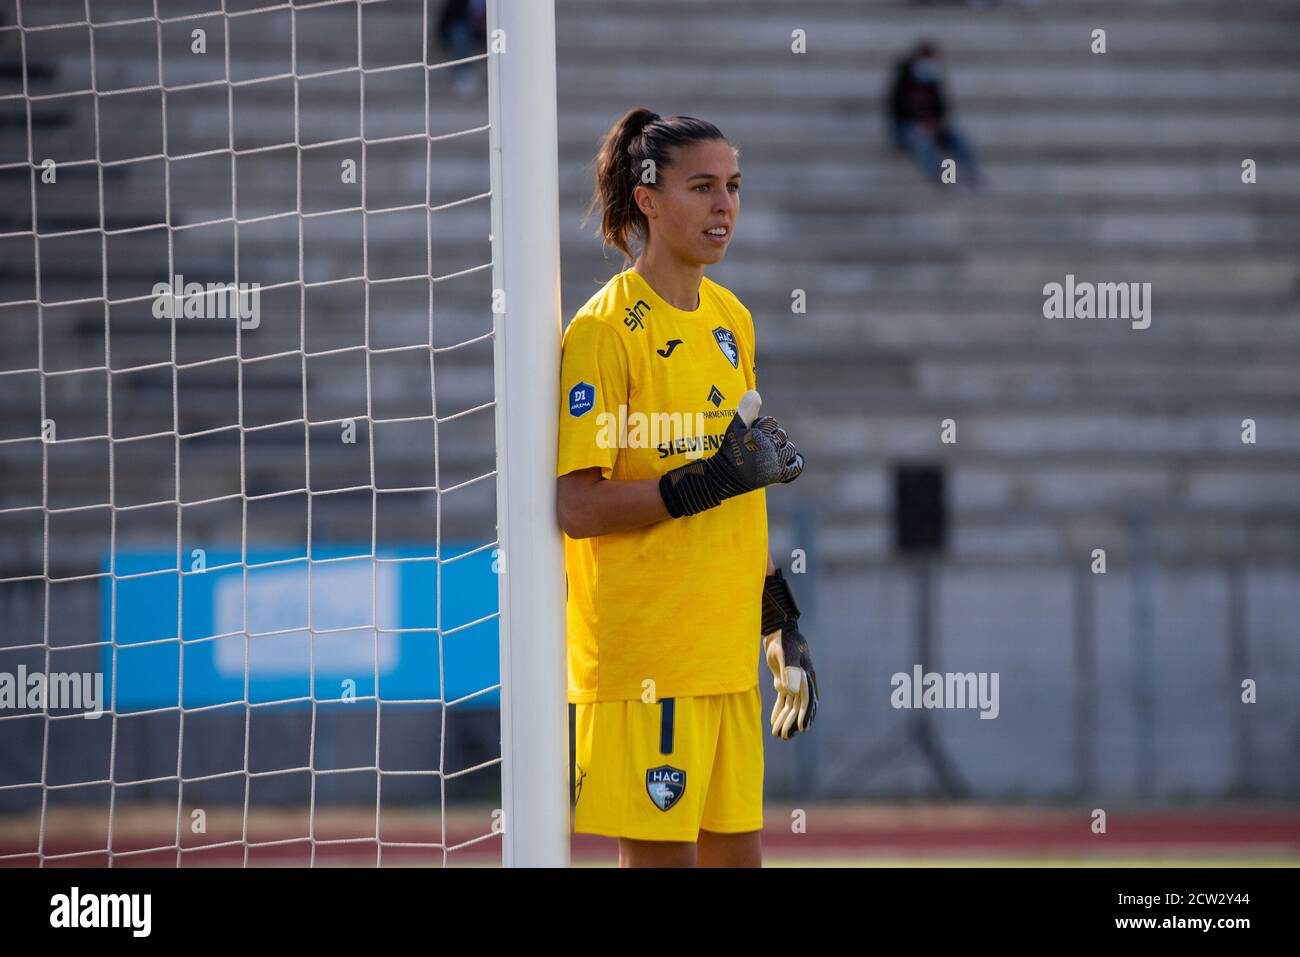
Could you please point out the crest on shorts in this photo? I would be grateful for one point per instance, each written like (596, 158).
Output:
(665, 785)
(727, 343)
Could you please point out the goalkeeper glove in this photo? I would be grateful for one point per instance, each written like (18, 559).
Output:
(787, 655)
(754, 453)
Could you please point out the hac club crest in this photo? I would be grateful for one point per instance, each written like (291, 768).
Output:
(727, 343)
(665, 785)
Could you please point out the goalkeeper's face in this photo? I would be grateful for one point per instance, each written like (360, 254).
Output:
(698, 201)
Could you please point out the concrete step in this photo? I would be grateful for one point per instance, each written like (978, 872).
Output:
(882, 29)
(396, 243)
(1008, 540)
(391, 33)
(1020, 135)
(1084, 77)
(1039, 195)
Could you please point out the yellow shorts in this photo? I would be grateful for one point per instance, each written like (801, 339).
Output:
(662, 771)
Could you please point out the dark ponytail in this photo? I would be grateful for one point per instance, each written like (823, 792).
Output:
(639, 136)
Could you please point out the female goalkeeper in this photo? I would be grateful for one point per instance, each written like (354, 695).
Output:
(662, 465)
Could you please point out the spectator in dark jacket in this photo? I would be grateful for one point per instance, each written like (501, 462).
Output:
(462, 28)
(920, 125)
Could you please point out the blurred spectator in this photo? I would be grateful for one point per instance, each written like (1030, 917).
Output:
(919, 121)
(462, 28)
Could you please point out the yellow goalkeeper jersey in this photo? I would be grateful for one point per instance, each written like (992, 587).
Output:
(671, 609)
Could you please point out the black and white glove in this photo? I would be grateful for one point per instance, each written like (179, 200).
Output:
(786, 651)
(755, 452)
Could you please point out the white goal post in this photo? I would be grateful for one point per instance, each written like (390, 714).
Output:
(526, 324)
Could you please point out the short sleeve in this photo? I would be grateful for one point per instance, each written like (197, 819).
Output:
(751, 377)
(593, 384)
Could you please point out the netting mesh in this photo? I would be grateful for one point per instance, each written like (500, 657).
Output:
(278, 522)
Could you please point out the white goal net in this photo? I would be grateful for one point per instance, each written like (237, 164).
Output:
(255, 277)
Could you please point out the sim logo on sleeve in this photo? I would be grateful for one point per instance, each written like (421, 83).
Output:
(582, 398)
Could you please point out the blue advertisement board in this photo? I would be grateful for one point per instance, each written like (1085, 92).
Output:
(151, 668)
